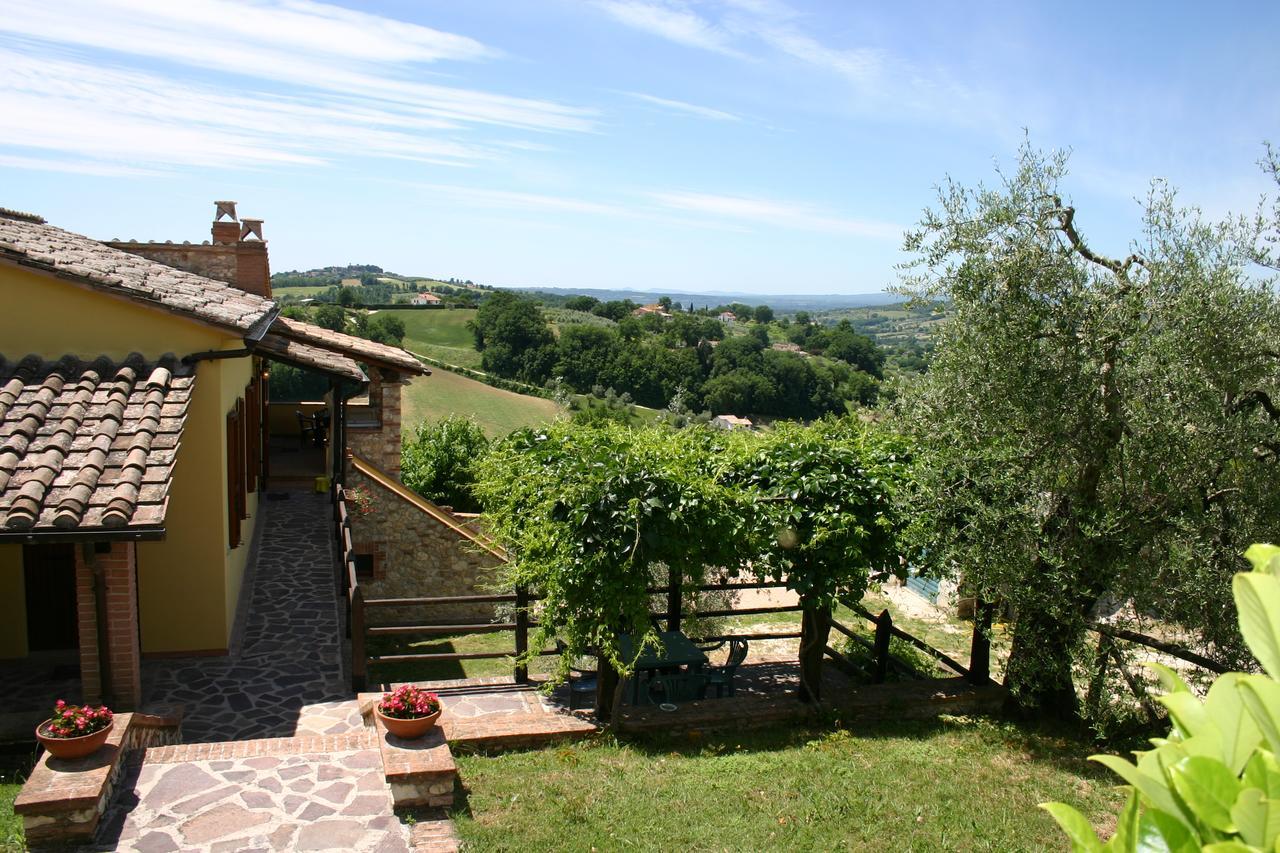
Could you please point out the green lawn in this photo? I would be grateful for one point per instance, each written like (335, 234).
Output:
(10, 824)
(499, 412)
(952, 784)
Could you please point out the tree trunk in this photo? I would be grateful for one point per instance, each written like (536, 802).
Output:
(1038, 674)
(815, 627)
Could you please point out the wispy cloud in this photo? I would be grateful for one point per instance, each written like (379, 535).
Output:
(246, 83)
(684, 107)
(673, 22)
(776, 213)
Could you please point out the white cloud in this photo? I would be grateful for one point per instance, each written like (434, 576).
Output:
(684, 107)
(781, 214)
(672, 22)
(245, 83)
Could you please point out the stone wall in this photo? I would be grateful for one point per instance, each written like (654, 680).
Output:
(380, 441)
(419, 556)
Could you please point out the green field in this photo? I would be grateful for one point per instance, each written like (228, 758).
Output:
(439, 333)
(498, 412)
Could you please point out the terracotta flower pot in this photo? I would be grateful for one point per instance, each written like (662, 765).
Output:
(409, 729)
(73, 747)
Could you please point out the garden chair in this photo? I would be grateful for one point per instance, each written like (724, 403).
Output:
(306, 426)
(721, 677)
(708, 645)
(582, 680)
(677, 687)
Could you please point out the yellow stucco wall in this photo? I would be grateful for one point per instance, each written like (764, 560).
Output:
(188, 584)
(13, 609)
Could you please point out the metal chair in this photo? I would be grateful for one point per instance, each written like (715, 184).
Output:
(583, 687)
(721, 677)
(306, 426)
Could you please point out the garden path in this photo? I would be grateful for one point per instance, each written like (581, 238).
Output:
(287, 676)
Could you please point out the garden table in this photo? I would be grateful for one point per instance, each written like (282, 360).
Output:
(676, 650)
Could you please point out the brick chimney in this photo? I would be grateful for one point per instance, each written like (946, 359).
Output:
(237, 254)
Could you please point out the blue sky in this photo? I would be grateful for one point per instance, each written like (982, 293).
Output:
(748, 145)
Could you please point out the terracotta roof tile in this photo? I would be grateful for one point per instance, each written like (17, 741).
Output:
(360, 349)
(63, 253)
(301, 355)
(88, 445)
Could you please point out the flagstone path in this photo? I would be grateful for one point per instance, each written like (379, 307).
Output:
(287, 677)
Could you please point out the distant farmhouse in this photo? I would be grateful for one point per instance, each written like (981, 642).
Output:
(425, 299)
(655, 308)
(730, 422)
(727, 317)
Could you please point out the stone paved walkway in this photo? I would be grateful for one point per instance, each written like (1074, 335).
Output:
(287, 677)
(332, 800)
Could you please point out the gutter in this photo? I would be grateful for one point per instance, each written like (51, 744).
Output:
(125, 534)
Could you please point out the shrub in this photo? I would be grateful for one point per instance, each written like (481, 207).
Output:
(1214, 782)
(439, 461)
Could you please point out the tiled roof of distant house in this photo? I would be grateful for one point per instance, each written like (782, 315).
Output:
(89, 445)
(357, 348)
(278, 348)
(27, 242)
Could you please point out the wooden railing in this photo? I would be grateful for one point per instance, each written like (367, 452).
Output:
(977, 672)
(1108, 653)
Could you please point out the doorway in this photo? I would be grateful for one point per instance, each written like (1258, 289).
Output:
(49, 572)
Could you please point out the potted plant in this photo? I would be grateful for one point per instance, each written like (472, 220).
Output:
(75, 731)
(408, 711)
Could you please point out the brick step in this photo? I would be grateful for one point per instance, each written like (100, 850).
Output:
(304, 745)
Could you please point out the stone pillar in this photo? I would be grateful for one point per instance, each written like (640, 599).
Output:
(391, 440)
(117, 569)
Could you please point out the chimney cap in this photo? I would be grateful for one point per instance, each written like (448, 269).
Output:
(225, 208)
(251, 228)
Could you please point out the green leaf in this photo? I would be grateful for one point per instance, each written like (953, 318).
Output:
(1261, 696)
(1256, 817)
(1187, 712)
(1125, 839)
(1208, 788)
(1264, 557)
(1083, 838)
(1170, 680)
(1258, 601)
(1228, 847)
(1161, 832)
(1263, 772)
(1152, 787)
(1226, 710)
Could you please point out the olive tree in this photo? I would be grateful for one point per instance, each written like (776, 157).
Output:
(1089, 423)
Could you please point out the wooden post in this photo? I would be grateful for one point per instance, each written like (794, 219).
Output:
(980, 646)
(606, 688)
(815, 629)
(522, 633)
(674, 601)
(884, 625)
(359, 661)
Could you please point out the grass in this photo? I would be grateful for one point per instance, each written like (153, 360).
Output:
(953, 784)
(439, 333)
(498, 412)
(10, 823)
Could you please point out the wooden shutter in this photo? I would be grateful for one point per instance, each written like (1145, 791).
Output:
(253, 428)
(242, 502)
(233, 484)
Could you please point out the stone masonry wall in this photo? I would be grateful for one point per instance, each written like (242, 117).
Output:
(243, 264)
(380, 443)
(421, 557)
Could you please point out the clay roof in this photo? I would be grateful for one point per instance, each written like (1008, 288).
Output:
(88, 446)
(313, 358)
(357, 348)
(33, 244)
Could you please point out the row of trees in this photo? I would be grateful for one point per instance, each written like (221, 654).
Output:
(686, 358)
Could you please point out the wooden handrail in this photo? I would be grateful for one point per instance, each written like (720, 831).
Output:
(1180, 652)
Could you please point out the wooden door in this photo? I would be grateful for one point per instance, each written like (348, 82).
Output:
(50, 575)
